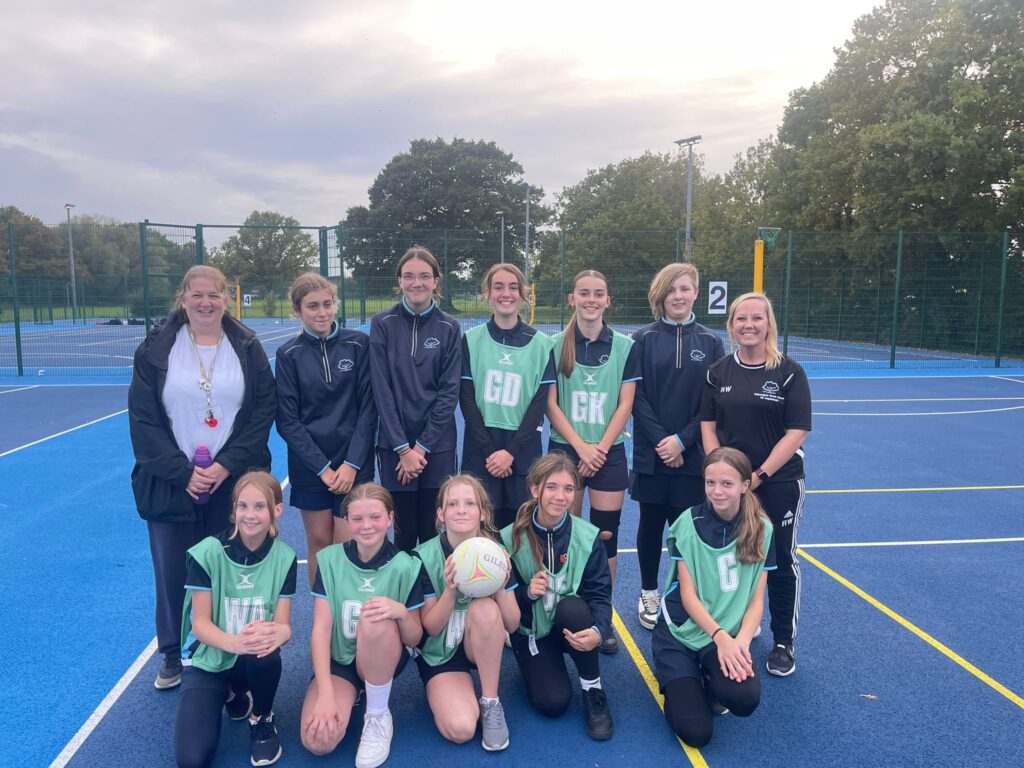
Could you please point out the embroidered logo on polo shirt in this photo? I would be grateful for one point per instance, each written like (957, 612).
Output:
(602, 359)
(431, 343)
(696, 354)
(770, 392)
(345, 365)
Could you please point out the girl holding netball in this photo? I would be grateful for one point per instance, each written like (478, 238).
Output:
(239, 588)
(366, 609)
(675, 353)
(507, 370)
(598, 371)
(758, 400)
(461, 633)
(415, 364)
(325, 412)
(721, 550)
(564, 592)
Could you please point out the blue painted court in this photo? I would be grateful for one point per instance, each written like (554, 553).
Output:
(908, 649)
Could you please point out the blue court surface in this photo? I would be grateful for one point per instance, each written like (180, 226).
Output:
(908, 649)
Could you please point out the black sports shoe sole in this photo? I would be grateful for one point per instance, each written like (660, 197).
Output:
(778, 672)
(267, 761)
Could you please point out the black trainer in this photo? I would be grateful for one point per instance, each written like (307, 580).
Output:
(599, 717)
(239, 706)
(610, 644)
(264, 743)
(169, 675)
(780, 661)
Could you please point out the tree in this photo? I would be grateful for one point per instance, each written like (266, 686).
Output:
(438, 187)
(267, 252)
(919, 124)
(40, 251)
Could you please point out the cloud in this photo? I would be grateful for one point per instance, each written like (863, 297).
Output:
(208, 110)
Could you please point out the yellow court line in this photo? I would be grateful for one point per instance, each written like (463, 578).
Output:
(695, 757)
(924, 490)
(999, 687)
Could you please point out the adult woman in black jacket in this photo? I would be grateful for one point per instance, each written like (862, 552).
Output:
(199, 378)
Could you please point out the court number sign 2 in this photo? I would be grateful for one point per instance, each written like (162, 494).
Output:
(718, 298)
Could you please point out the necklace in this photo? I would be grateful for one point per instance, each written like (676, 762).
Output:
(206, 379)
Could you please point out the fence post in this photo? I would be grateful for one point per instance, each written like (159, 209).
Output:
(144, 259)
(1002, 299)
(14, 297)
(340, 237)
(322, 241)
(785, 308)
(679, 246)
(977, 311)
(896, 300)
(924, 302)
(561, 282)
(445, 281)
(200, 247)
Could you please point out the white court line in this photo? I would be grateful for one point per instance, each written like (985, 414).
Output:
(1007, 378)
(104, 706)
(925, 413)
(19, 389)
(58, 434)
(929, 542)
(917, 399)
(111, 341)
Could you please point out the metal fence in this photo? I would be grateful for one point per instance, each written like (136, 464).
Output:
(887, 299)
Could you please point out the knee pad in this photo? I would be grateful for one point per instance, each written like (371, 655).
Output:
(608, 523)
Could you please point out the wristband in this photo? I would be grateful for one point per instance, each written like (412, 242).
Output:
(761, 475)
(715, 633)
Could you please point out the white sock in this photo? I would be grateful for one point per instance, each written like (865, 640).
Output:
(488, 699)
(588, 684)
(649, 592)
(377, 698)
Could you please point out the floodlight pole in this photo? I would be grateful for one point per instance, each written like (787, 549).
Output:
(526, 273)
(688, 142)
(502, 215)
(71, 257)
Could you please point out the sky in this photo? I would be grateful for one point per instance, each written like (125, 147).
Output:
(203, 111)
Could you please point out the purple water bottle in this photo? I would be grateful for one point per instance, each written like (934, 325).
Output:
(204, 460)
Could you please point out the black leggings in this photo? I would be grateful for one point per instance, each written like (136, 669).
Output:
(415, 517)
(688, 700)
(197, 728)
(649, 535)
(547, 679)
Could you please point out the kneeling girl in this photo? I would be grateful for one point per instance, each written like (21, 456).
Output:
(366, 609)
(564, 592)
(239, 588)
(713, 601)
(461, 633)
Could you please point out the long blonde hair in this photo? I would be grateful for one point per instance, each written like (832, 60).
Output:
(771, 342)
(567, 358)
(483, 503)
(540, 471)
(265, 483)
(750, 528)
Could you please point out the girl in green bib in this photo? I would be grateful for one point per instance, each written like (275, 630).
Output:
(462, 633)
(239, 588)
(598, 371)
(366, 610)
(713, 601)
(564, 593)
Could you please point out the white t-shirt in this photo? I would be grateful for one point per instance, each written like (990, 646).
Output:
(185, 401)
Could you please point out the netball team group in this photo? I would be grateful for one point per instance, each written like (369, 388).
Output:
(716, 459)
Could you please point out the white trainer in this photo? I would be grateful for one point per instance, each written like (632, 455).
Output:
(375, 743)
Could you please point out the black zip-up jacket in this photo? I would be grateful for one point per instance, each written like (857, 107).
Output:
(162, 470)
(595, 586)
(325, 408)
(675, 359)
(416, 364)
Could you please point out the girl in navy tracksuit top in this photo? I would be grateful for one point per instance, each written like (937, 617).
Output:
(416, 364)
(325, 412)
(676, 352)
